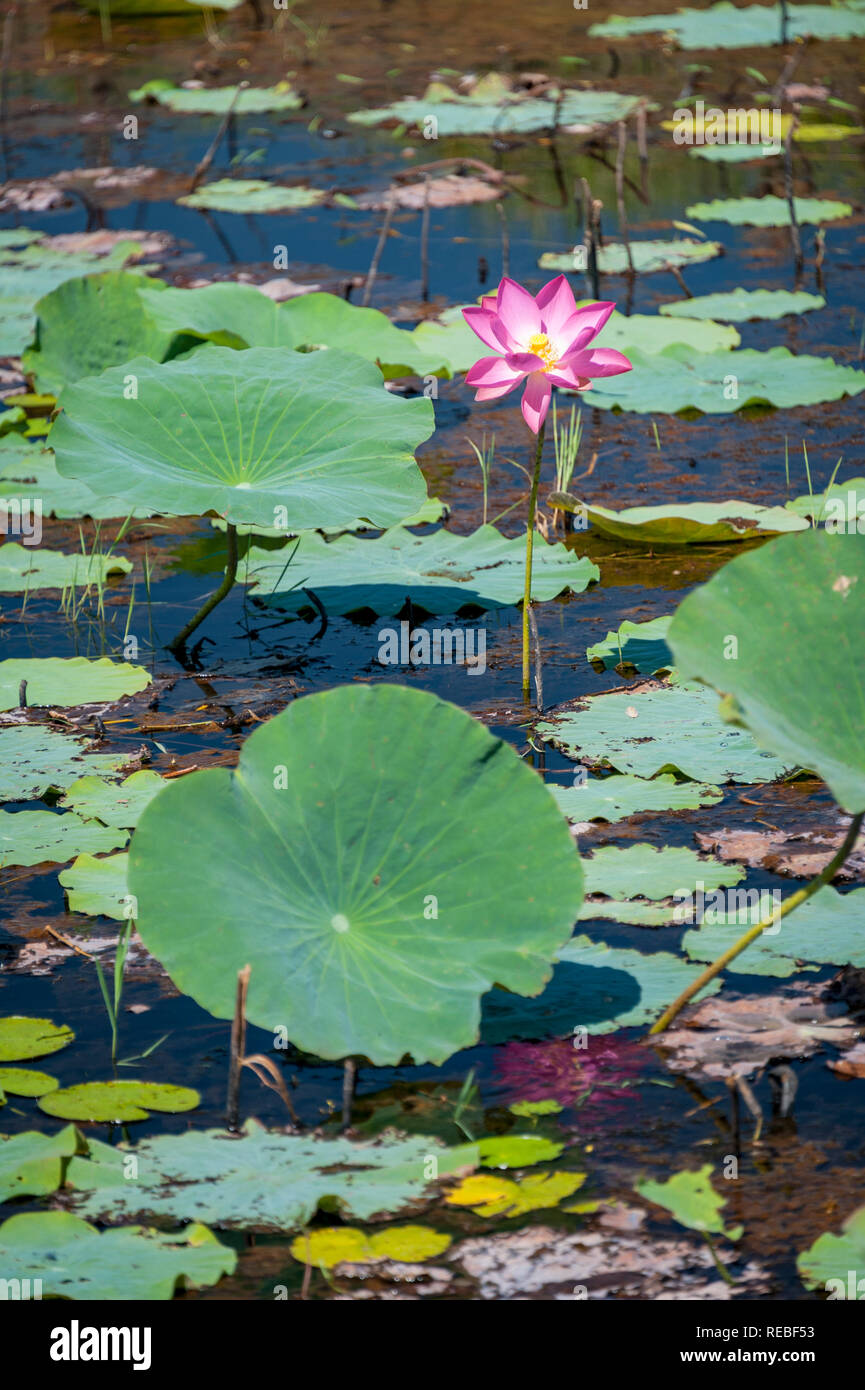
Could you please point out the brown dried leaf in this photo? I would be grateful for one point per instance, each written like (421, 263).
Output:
(801, 855)
(447, 191)
(729, 1036)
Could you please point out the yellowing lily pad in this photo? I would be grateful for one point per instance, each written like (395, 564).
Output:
(501, 1197)
(22, 1038)
(19, 1081)
(335, 1245)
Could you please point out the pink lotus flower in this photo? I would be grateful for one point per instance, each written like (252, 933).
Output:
(544, 340)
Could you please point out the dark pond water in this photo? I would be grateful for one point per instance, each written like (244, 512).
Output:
(67, 97)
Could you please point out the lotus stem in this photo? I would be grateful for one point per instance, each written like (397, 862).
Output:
(238, 1048)
(530, 536)
(349, 1083)
(179, 642)
(795, 900)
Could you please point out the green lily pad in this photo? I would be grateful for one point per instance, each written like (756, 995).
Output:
(338, 940)
(824, 930)
(517, 1150)
(781, 603)
(67, 681)
(638, 646)
(252, 195)
(240, 316)
(327, 1246)
(828, 1263)
(672, 730)
(443, 571)
(837, 507)
(684, 523)
(241, 434)
(134, 8)
(649, 872)
(34, 759)
(112, 803)
(720, 383)
(206, 101)
(647, 256)
(262, 1181)
(615, 798)
(34, 474)
(74, 1260)
(26, 568)
(28, 271)
(118, 1102)
(692, 1201)
(724, 25)
(38, 837)
(31, 1164)
(735, 152)
(743, 306)
(90, 323)
(768, 211)
(528, 1108)
(23, 1038)
(651, 982)
(19, 1081)
(456, 114)
(98, 887)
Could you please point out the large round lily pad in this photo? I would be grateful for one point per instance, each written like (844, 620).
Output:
(250, 435)
(374, 859)
(73, 680)
(23, 1038)
(796, 609)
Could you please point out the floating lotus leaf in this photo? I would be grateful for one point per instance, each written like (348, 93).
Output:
(74, 1260)
(517, 1150)
(38, 837)
(71, 680)
(639, 646)
(824, 930)
(427, 514)
(98, 887)
(720, 383)
(735, 152)
(839, 507)
(31, 1164)
(27, 472)
(691, 1199)
(241, 316)
(28, 271)
(242, 434)
(615, 798)
(23, 1038)
(647, 256)
(26, 568)
(338, 939)
(494, 1196)
(596, 987)
(118, 1102)
(782, 603)
(252, 195)
(133, 8)
(684, 523)
(828, 1264)
(723, 25)
(90, 323)
(20, 1081)
(34, 759)
(118, 804)
(648, 872)
(743, 306)
(261, 1181)
(327, 1246)
(207, 101)
(670, 730)
(442, 572)
(768, 211)
(466, 115)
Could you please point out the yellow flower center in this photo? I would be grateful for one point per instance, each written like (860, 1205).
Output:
(541, 346)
